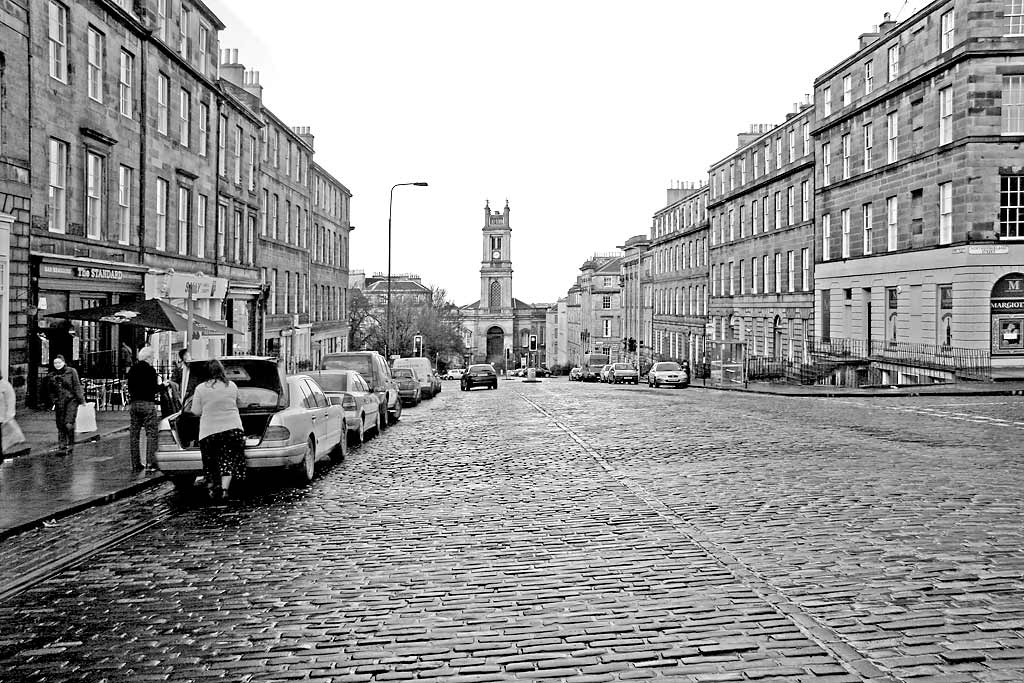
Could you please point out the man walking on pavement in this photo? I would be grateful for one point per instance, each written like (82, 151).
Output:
(66, 394)
(142, 387)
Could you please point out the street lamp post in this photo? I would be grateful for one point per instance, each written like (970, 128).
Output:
(387, 319)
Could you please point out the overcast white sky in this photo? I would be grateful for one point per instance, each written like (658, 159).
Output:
(580, 113)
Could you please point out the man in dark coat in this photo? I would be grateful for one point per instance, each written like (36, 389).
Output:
(143, 387)
(65, 391)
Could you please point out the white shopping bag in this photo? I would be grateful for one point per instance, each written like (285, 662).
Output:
(86, 420)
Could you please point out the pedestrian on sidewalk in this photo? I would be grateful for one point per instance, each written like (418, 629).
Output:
(221, 439)
(7, 406)
(143, 385)
(66, 393)
(177, 374)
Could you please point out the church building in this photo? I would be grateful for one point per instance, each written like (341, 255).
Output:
(498, 323)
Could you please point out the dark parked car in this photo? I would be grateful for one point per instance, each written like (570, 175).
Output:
(479, 376)
(408, 386)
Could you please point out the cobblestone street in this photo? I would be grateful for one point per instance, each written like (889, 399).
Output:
(568, 531)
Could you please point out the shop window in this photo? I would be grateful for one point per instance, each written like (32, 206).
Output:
(891, 317)
(944, 325)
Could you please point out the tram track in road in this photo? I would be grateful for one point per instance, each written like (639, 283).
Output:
(54, 567)
(856, 662)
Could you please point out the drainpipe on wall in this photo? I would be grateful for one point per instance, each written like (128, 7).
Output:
(216, 193)
(143, 142)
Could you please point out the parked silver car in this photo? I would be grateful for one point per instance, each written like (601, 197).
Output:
(289, 422)
(362, 407)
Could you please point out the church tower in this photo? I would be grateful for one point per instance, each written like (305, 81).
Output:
(496, 264)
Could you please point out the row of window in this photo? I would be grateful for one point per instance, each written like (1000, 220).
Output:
(96, 54)
(692, 253)
(296, 162)
(892, 216)
(690, 300)
(765, 214)
(683, 217)
(724, 179)
(328, 244)
(736, 278)
(183, 42)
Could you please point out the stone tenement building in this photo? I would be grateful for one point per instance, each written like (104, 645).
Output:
(499, 323)
(762, 232)
(920, 188)
(593, 321)
(147, 180)
(679, 275)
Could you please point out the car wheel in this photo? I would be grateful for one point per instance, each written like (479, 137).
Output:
(657, 384)
(377, 422)
(306, 469)
(340, 451)
(361, 434)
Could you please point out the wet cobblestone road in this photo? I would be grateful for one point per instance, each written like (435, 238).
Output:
(566, 531)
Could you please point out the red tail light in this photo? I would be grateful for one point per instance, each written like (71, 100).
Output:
(348, 403)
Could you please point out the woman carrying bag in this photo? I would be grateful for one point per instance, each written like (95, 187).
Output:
(66, 394)
(221, 439)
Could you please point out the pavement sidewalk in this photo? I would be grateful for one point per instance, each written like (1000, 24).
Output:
(37, 484)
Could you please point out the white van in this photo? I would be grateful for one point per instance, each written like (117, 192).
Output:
(423, 372)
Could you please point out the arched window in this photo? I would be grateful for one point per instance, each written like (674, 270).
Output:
(494, 300)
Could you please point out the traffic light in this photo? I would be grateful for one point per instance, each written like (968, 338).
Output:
(632, 345)
(533, 342)
(417, 345)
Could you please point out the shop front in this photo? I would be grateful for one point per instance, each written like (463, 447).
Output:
(101, 352)
(1007, 317)
(205, 294)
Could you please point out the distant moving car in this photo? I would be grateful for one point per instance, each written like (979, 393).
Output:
(289, 422)
(668, 373)
(624, 373)
(454, 373)
(576, 374)
(408, 386)
(374, 370)
(605, 375)
(347, 389)
(482, 375)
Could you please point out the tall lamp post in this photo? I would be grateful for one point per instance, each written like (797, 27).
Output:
(387, 319)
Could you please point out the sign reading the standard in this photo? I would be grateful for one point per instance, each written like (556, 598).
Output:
(99, 273)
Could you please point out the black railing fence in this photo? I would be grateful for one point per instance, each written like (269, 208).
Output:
(963, 362)
(854, 362)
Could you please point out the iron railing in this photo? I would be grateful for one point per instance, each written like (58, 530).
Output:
(962, 362)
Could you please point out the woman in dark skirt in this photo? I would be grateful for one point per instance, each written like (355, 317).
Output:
(221, 439)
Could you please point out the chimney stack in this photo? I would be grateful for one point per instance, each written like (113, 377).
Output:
(304, 134)
(230, 69)
(251, 84)
(887, 24)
